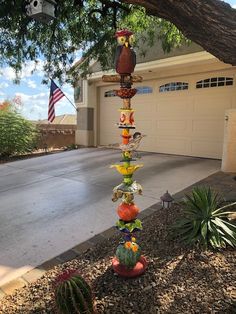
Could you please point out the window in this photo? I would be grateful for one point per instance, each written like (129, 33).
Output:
(144, 90)
(173, 86)
(215, 82)
(110, 93)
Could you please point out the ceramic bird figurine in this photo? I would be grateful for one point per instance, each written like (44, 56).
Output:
(125, 58)
(133, 143)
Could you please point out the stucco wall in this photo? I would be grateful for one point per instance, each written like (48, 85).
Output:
(146, 54)
(56, 135)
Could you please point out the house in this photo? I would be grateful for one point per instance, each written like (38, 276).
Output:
(180, 105)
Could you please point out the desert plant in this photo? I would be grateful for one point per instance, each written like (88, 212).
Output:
(17, 135)
(205, 221)
(128, 254)
(72, 294)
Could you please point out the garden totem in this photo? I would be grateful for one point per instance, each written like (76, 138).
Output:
(128, 261)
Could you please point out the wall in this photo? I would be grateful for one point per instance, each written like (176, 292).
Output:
(56, 135)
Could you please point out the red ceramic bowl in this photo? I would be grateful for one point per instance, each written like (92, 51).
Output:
(126, 92)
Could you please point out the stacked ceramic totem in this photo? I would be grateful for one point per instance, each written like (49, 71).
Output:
(128, 261)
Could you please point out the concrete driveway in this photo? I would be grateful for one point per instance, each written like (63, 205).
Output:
(49, 204)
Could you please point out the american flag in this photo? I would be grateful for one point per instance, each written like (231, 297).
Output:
(55, 95)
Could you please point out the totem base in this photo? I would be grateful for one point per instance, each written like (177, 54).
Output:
(123, 271)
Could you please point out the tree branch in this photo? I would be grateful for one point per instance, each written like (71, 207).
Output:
(211, 23)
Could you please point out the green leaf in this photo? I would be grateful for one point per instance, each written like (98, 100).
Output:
(136, 224)
(204, 229)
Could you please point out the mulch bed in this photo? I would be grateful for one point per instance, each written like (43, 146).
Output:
(177, 280)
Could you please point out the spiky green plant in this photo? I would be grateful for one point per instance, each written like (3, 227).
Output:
(72, 294)
(204, 221)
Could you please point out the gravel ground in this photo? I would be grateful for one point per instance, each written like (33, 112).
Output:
(177, 280)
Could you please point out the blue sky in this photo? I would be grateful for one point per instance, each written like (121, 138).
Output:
(34, 95)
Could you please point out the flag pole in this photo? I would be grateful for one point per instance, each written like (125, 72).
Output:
(71, 102)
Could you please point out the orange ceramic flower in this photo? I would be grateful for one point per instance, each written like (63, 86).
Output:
(128, 245)
(134, 248)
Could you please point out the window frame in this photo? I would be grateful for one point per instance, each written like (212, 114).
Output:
(145, 90)
(216, 81)
(173, 86)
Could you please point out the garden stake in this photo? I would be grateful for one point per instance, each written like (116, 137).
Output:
(128, 261)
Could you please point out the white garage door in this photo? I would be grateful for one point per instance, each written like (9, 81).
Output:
(179, 116)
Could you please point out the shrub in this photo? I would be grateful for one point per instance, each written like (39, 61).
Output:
(72, 294)
(204, 221)
(17, 135)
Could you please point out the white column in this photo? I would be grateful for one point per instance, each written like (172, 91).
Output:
(229, 146)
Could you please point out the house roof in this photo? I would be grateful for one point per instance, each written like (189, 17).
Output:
(62, 119)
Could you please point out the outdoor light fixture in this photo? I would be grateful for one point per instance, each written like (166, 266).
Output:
(41, 10)
(167, 200)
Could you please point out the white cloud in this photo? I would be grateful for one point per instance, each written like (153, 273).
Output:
(31, 84)
(9, 74)
(34, 106)
(4, 85)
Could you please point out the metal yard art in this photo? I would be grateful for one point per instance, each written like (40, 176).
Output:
(128, 261)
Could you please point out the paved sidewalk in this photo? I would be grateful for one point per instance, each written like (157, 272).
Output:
(221, 182)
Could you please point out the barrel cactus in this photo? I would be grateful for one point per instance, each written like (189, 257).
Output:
(128, 254)
(72, 294)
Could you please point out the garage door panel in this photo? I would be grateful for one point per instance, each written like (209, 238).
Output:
(207, 148)
(110, 138)
(173, 108)
(144, 112)
(148, 144)
(108, 111)
(211, 106)
(109, 124)
(208, 129)
(172, 146)
(145, 127)
(172, 127)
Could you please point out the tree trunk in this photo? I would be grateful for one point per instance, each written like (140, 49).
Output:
(209, 23)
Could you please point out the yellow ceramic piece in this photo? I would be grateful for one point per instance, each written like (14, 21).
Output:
(126, 170)
(125, 132)
(126, 110)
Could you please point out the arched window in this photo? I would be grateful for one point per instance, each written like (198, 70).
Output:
(144, 90)
(215, 82)
(173, 86)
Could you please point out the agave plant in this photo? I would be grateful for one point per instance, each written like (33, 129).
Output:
(205, 221)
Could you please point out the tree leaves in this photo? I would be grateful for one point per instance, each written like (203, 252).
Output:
(87, 27)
